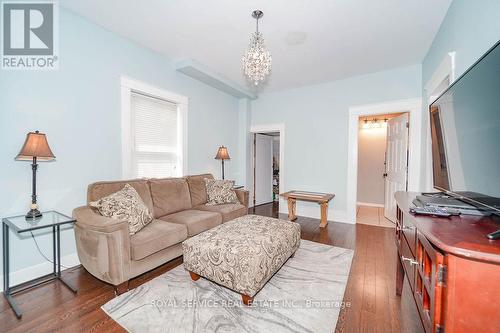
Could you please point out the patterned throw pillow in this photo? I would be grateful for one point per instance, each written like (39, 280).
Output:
(125, 204)
(220, 192)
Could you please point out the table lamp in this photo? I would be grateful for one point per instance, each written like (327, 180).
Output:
(35, 148)
(222, 154)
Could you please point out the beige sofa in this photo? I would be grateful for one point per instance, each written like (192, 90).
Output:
(108, 252)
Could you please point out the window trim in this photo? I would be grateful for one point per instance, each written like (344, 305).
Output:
(128, 86)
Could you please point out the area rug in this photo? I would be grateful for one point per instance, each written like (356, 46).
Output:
(305, 295)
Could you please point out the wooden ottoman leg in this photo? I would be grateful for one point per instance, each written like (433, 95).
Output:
(194, 276)
(247, 300)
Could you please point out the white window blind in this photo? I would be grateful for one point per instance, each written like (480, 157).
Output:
(155, 131)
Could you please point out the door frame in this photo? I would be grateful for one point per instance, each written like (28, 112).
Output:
(414, 108)
(446, 69)
(269, 128)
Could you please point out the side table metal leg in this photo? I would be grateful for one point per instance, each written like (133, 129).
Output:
(6, 271)
(13, 305)
(54, 250)
(58, 235)
(58, 251)
(5, 254)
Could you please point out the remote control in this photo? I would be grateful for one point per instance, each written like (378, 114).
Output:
(431, 210)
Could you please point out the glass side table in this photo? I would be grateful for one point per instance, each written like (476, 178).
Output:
(19, 224)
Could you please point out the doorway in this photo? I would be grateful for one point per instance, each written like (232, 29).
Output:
(382, 166)
(413, 107)
(267, 164)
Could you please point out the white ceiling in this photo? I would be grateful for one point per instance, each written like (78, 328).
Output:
(311, 41)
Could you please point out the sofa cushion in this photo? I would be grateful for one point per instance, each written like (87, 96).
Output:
(220, 192)
(125, 205)
(170, 195)
(198, 189)
(196, 221)
(156, 236)
(99, 190)
(228, 211)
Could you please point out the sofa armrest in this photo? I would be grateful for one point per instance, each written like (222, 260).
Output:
(103, 245)
(243, 196)
(89, 219)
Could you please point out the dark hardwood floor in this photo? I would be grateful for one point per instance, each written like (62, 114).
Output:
(370, 289)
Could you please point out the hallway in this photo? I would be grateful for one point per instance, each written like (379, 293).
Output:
(373, 216)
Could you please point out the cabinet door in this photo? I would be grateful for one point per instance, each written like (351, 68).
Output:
(399, 226)
(409, 263)
(406, 229)
(409, 232)
(429, 284)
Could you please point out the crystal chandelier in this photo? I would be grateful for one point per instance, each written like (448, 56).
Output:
(256, 61)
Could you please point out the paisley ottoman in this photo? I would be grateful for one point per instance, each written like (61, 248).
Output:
(242, 254)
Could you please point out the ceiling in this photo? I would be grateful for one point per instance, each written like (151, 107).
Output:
(311, 41)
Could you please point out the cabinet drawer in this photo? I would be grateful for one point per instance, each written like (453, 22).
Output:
(409, 262)
(409, 232)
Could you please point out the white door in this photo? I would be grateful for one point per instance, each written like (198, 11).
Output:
(396, 162)
(263, 169)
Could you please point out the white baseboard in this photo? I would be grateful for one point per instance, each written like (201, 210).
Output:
(315, 213)
(33, 272)
(368, 204)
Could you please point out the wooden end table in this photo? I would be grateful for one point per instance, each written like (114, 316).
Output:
(321, 198)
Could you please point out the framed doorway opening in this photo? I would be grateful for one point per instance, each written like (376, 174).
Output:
(382, 167)
(274, 129)
(413, 107)
(441, 79)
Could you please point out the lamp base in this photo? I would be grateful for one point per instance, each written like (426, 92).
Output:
(33, 214)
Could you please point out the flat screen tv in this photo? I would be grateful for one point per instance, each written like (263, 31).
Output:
(465, 134)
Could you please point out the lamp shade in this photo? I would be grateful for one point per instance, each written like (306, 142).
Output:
(36, 145)
(222, 154)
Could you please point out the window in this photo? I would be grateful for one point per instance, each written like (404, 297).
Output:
(153, 132)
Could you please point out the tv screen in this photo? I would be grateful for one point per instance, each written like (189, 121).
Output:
(465, 134)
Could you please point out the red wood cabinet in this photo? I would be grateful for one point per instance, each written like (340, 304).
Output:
(452, 268)
(429, 282)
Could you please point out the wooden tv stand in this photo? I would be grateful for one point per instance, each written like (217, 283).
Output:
(452, 268)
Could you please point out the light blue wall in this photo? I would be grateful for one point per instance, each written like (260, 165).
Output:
(316, 126)
(469, 29)
(78, 107)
